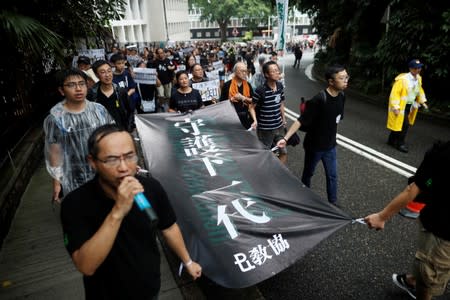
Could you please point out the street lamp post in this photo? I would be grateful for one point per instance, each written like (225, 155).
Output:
(165, 20)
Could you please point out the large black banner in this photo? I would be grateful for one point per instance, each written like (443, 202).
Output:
(243, 215)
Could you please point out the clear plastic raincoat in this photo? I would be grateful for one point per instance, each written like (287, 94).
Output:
(66, 136)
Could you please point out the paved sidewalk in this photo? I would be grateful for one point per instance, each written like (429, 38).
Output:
(33, 261)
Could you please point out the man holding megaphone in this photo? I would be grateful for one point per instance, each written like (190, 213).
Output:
(110, 223)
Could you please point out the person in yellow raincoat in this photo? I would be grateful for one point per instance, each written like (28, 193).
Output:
(407, 95)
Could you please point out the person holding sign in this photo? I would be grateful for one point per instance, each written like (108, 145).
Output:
(110, 240)
(198, 75)
(184, 98)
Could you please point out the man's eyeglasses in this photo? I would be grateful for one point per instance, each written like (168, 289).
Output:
(114, 161)
(74, 85)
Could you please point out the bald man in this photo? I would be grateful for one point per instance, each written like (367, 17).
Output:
(240, 93)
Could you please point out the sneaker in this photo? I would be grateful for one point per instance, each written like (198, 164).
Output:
(400, 281)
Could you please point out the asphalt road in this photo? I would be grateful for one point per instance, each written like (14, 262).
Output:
(355, 263)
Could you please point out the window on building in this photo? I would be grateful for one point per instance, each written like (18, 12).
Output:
(305, 31)
(207, 34)
(216, 33)
(199, 34)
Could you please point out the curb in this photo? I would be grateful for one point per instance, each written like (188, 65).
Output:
(20, 173)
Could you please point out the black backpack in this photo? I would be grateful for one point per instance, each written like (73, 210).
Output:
(304, 107)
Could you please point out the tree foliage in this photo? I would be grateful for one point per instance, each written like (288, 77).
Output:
(38, 34)
(376, 48)
(51, 25)
(221, 11)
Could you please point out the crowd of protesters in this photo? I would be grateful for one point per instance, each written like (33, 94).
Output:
(92, 159)
(102, 92)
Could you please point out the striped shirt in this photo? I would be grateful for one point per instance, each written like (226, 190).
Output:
(268, 106)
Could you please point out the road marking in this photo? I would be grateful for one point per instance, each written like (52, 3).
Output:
(308, 72)
(369, 153)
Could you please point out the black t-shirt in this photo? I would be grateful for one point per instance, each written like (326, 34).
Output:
(241, 110)
(433, 177)
(185, 102)
(321, 117)
(117, 105)
(131, 269)
(162, 68)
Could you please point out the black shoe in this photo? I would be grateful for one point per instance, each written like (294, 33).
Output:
(400, 281)
(402, 148)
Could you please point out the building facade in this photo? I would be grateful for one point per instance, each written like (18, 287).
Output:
(152, 21)
(298, 26)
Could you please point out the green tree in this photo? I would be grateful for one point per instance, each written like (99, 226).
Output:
(419, 30)
(375, 50)
(38, 34)
(221, 11)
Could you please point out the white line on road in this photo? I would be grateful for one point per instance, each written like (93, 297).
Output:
(308, 72)
(369, 153)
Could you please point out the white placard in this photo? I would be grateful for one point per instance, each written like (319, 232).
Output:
(208, 89)
(218, 65)
(214, 74)
(145, 75)
(93, 54)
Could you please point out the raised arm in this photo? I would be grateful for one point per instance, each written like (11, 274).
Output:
(95, 250)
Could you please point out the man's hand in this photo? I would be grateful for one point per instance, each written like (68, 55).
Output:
(126, 191)
(236, 98)
(246, 100)
(56, 191)
(194, 269)
(282, 143)
(396, 111)
(374, 221)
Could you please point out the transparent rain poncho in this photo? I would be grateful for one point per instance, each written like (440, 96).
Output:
(66, 136)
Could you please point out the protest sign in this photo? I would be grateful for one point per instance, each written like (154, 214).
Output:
(145, 75)
(208, 89)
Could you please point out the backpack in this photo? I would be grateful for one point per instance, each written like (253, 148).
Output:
(303, 106)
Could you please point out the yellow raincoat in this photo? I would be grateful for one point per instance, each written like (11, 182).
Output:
(398, 100)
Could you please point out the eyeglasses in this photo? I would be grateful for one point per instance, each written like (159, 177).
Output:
(74, 85)
(104, 72)
(114, 161)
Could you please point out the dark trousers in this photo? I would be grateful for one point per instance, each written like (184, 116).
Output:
(297, 62)
(397, 138)
(329, 161)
